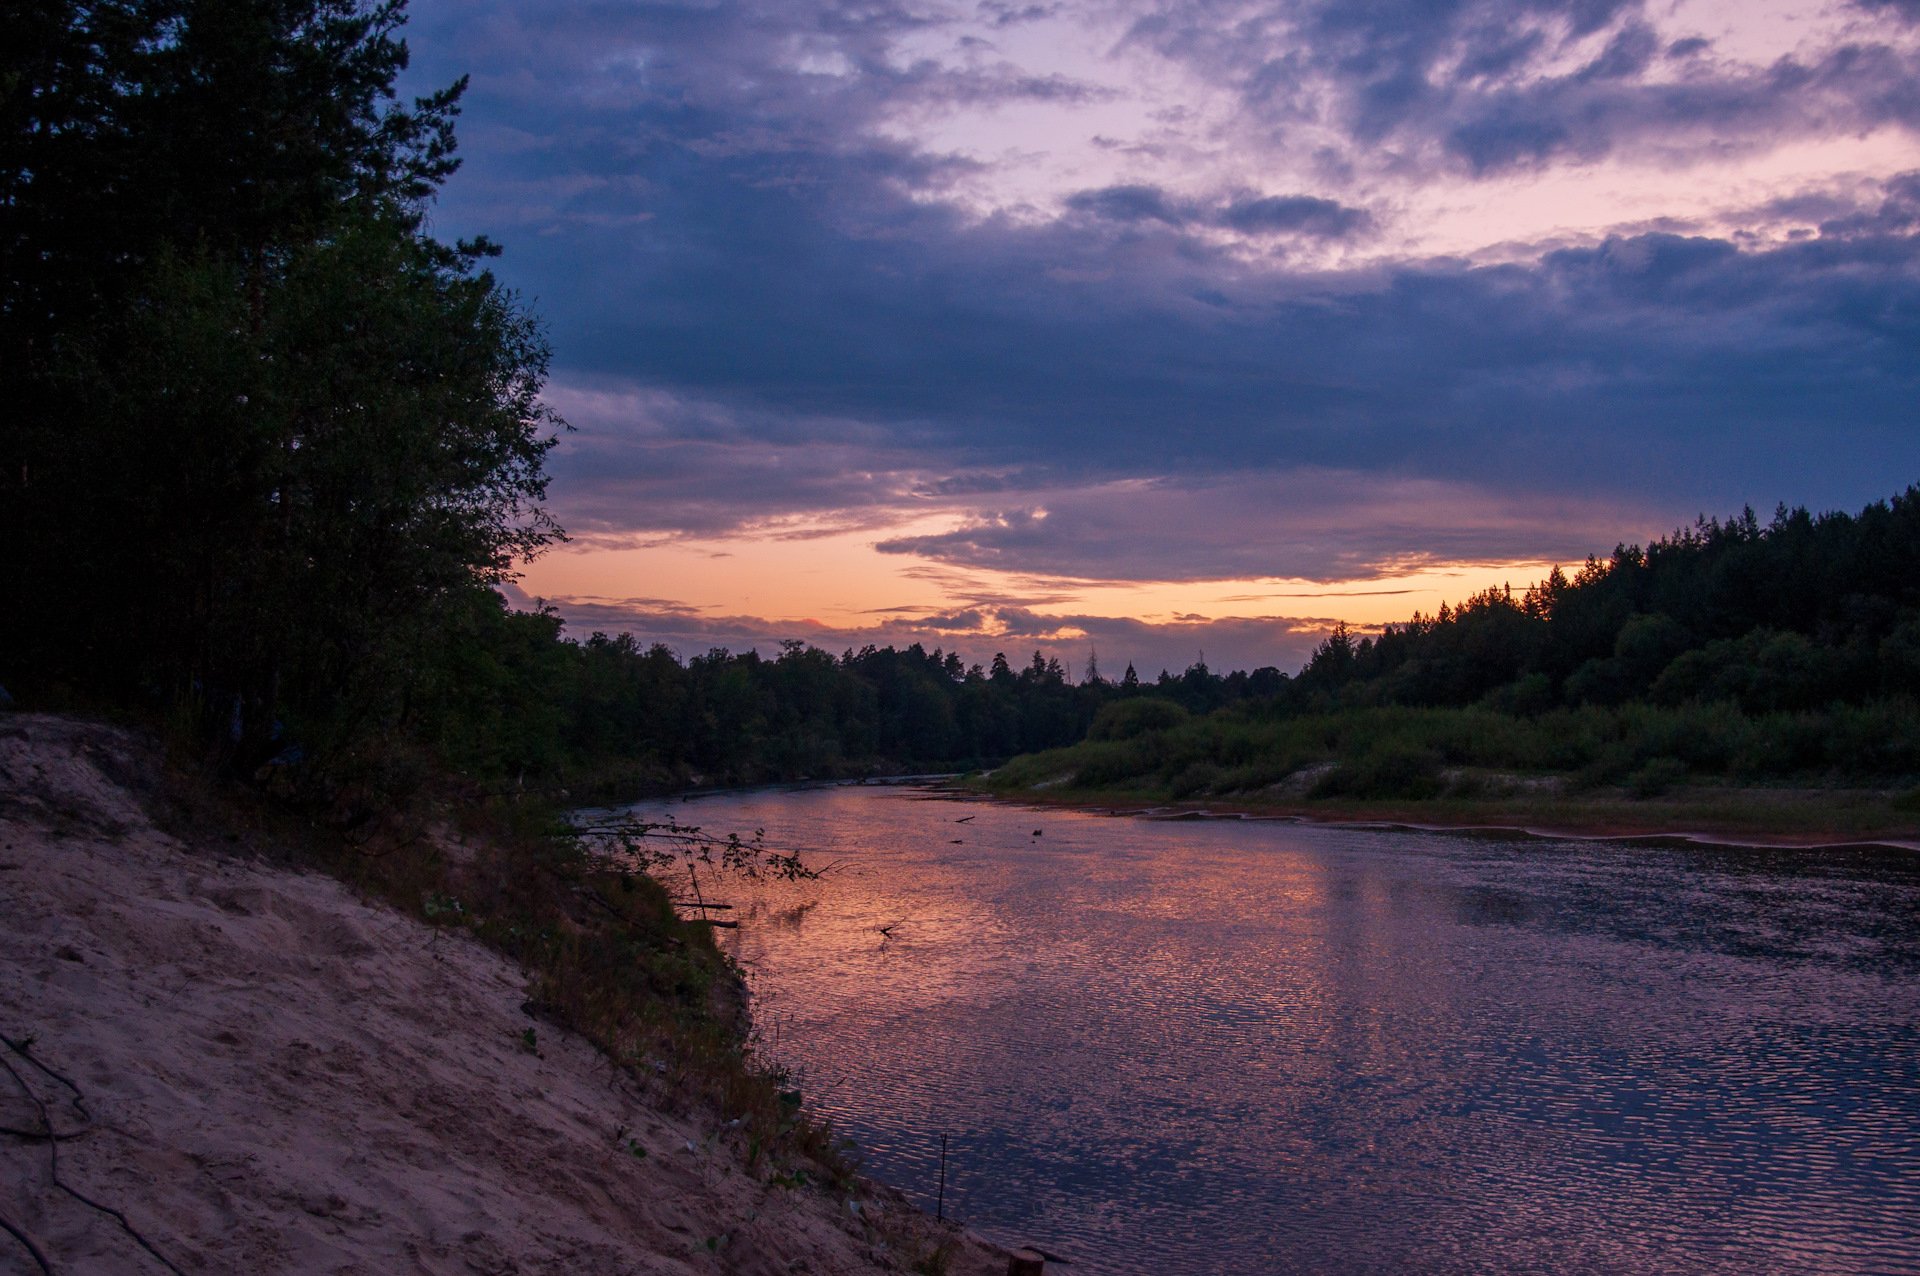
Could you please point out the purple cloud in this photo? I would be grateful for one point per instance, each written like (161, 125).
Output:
(768, 304)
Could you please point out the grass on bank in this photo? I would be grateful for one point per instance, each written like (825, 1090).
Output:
(1846, 770)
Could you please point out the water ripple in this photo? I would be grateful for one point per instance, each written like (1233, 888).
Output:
(1237, 1047)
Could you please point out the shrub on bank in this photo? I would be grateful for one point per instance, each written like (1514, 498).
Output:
(1401, 752)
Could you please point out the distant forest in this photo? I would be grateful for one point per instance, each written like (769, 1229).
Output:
(613, 714)
(1799, 616)
(1799, 613)
(1783, 653)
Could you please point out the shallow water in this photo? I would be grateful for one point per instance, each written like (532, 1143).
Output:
(1248, 1047)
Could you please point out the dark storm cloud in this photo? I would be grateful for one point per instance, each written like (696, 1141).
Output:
(954, 347)
(703, 202)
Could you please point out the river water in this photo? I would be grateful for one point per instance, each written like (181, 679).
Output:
(1251, 1046)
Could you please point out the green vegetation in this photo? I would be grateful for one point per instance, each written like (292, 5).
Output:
(1797, 615)
(1403, 751)
(274, 440)
(610, 717)
(1730, 655)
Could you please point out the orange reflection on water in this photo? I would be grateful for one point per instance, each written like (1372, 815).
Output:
(1204, 1047)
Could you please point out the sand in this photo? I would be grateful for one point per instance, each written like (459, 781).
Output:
(281, 1077)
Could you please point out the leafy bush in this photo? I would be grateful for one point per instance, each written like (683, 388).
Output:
(1656, 777)
(1392, 771)
(1197, 778)
(1125, 719)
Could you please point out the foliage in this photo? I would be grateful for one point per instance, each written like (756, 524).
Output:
(662, 848)
(612, 717)
(275, 443)
(272, 435)
(1125, 719)
(1417, 752)
(1730, 651)
(1803, 612)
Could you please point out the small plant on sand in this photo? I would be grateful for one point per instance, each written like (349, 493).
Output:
(438, 907)
(937, 1263)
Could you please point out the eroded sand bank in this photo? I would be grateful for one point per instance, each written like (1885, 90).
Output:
(280, 1077)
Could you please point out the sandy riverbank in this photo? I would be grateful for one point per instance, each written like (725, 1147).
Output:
(272, 1075)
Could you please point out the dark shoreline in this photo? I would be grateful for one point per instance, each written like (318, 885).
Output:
(1599, 821)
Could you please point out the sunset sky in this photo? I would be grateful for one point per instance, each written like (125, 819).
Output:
(1167, 326)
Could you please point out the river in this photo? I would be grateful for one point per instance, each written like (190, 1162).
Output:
(1217, 1046)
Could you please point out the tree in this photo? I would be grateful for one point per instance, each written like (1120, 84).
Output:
(273, 433)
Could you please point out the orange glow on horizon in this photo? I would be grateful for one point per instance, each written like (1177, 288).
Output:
(840, 582)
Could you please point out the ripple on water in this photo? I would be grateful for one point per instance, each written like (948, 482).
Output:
(1222, 1047)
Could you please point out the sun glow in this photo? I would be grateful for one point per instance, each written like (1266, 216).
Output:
(837, 587)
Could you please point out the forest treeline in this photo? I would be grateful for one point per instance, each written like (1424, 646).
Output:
(610, 714)
(1736, 647)
(1734, 650)
(1799, 613)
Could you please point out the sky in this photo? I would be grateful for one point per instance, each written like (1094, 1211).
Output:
(1180, 329)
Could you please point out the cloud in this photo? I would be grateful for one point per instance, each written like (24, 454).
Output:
(1312, 525)
(1591, 113)
(1307, 215)
(662, 474)
(1299, 214)
(1494, 85)
(1129, 204)
(1906, 10)
(1653, 371)
(771, 312)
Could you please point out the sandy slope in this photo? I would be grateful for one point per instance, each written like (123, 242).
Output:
(282, 1078)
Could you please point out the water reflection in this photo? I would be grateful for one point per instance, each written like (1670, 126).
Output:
(1261, 1047)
